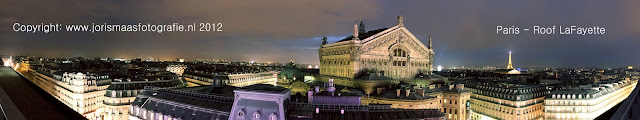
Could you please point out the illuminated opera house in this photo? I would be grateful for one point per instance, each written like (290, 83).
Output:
(390, 66)
(393, 52)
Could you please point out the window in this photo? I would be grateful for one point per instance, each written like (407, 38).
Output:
(256, 115)
(240, 113)
(399, 63)
(399, 53)
(273, 116)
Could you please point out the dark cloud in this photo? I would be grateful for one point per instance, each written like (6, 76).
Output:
(463, 31)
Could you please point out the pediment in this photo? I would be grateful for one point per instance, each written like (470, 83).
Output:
(398, 38)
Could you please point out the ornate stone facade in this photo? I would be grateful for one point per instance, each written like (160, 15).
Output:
(393, 52)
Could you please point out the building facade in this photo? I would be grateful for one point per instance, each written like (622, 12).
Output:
(394, 52)
(82, 92)
(454, 99)
(506, 101)
(120, 94)
(260, 102)
(177, 69)
(237, 80)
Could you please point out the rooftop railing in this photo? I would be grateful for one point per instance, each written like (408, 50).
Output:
(626, 112)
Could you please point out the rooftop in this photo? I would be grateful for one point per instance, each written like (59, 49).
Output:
(135, 85)
(264, 88)
(365, 35)
(358, 112)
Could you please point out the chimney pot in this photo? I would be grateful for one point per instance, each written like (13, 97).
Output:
(420, 91)
(408, 91)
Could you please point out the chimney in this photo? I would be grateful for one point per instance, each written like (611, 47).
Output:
(408, 91)
(420, 91)
(397, 92)
(450, 87)
(379, 90)
(310, 96)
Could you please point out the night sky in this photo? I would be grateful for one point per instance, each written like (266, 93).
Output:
(463, 32)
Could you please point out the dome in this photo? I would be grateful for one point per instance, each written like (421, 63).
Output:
(290, 71)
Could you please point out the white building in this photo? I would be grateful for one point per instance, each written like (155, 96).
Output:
(82, 92)
(177, 69)
(237, 80)
(587, 102)
(122, 93)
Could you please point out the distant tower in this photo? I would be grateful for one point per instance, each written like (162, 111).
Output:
(355, 31)
(361, 26)
(429, 41)
(509, 66)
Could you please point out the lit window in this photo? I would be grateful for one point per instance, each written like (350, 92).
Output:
(399, 53)
(240, 113)
(256, 115)
(273, 116)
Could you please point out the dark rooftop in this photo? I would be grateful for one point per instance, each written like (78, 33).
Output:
(359, 112)
(373, 76)
(135, 85)
(365, 35)
(264, 88)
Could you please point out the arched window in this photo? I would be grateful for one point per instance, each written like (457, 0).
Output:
(256, 115)
(240, 114)
(273, 116)
(399, 53)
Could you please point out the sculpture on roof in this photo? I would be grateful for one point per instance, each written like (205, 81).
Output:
(400, 21)
(324, 40)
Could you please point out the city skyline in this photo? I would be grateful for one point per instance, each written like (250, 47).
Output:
(463, 33)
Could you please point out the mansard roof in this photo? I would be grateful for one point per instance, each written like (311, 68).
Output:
(140, 84)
